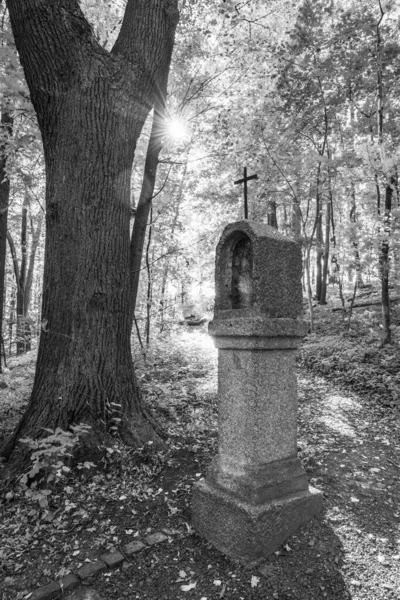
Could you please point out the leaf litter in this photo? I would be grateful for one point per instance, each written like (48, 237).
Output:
(351, 550)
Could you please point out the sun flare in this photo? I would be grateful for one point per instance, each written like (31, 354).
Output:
(176, 129)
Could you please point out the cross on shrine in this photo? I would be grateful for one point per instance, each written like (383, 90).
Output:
(245, 180)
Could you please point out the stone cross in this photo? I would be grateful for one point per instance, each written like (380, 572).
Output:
(245, 180)
(256, 493)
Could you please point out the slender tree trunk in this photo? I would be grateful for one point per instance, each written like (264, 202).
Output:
(309, 288)
(325, 267)
(296, 220)
(91, 106)
(271, 214)
(35, 238)
(385, 266)
(146, 195)
(167, 258)
(149, 298)
(384, 256)
(354, 236)
(319, 250)
(6, 124)
(21, 310)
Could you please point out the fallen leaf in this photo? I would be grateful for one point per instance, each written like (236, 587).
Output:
(188, 587)
(254, 581)
(381, 559)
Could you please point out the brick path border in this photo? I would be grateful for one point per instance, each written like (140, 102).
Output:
(106, 562)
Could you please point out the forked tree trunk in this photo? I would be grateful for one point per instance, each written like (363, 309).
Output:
(91, 106)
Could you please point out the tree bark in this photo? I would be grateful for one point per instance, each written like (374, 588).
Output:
(6, 123)
(91, 105)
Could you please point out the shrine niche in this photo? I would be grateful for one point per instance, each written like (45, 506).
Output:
(257, 272)
(242, 274)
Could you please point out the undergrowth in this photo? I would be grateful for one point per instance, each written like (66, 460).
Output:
(353, 356)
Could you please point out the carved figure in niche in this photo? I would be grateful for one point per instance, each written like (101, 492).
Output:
(242, 280)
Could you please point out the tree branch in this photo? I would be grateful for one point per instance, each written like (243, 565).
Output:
(148, 33)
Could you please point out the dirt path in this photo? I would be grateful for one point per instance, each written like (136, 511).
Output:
(351, 450)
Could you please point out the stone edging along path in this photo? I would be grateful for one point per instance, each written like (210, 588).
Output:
(107, 561)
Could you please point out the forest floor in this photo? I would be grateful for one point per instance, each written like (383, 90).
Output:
(349, 442)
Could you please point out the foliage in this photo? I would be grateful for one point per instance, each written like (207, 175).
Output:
(48, 458)
(354, 358)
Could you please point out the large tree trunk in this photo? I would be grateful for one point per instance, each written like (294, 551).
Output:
(6, 131)
(91, 106)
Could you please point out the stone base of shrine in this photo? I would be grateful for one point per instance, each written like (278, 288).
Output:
(245, 532)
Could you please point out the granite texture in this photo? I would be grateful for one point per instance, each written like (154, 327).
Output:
(257, 397)
(231, 324)
(246, 532)
(257, 484)
(274, 275)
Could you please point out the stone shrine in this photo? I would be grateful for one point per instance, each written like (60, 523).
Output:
(256, 492)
